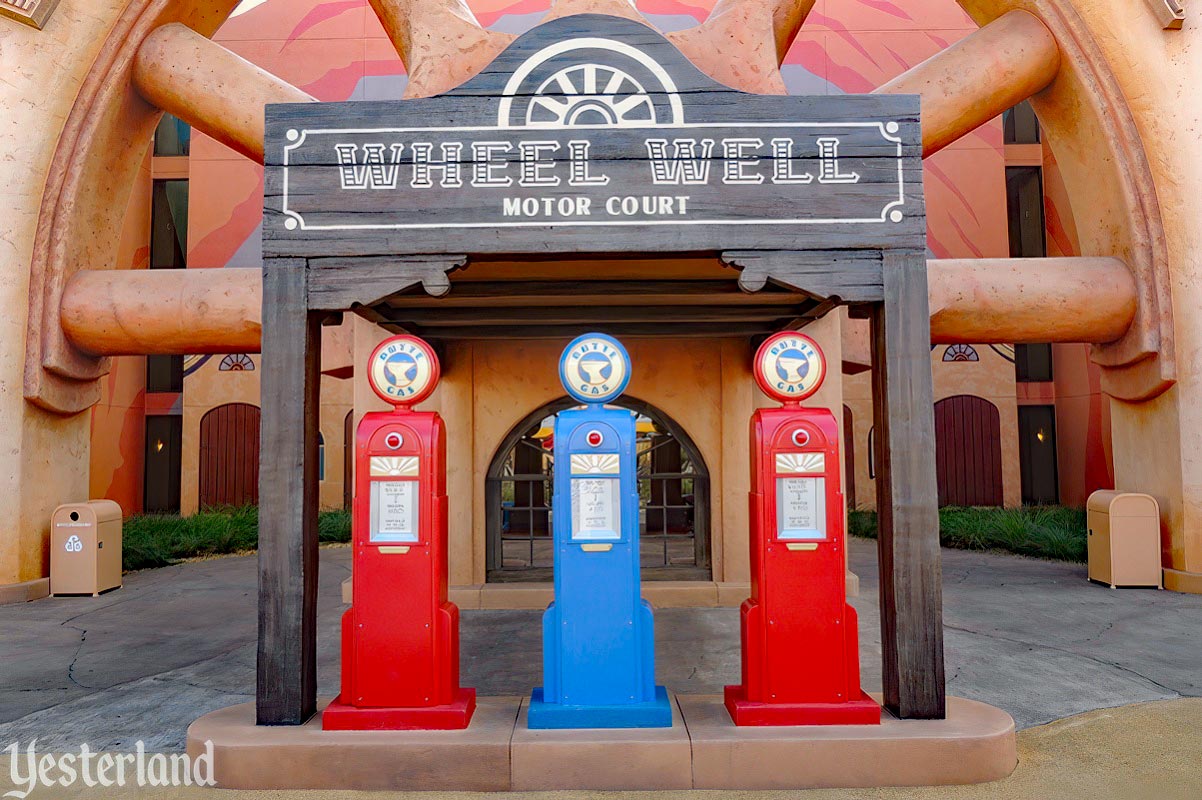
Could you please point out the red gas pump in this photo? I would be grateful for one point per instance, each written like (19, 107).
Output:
(800, 642)
(400, 637)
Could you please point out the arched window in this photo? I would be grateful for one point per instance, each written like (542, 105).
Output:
(673, 499)
(229, 456)
(960, 352)
(236, 362)
(968, 451)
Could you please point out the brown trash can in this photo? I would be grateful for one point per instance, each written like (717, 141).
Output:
(85, 548)
(1124, 539)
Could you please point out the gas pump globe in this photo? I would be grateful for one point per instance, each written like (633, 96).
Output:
(800, 640)
(400, 637)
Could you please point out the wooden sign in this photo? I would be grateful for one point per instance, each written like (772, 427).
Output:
(593, 134)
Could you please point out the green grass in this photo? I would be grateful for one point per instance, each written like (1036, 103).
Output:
(157, 540)
(1053, 532)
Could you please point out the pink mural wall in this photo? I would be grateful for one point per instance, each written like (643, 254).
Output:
(336, 50)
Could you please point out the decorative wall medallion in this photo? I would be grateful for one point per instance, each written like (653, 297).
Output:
(31, 12)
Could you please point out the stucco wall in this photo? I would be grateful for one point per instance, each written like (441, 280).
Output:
(43, 458)
(118, 430)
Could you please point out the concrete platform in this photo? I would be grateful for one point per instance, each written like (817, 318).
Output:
(703, 749)
(614, 758)
(306, 757)
(976, 743)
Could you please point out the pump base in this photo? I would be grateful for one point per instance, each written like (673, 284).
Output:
(453, 716)
(861, 711)
(655, 713)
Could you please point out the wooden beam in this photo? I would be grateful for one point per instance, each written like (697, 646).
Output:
(215, 91)
(681, 330)
(336, 284)
(979, 77)
(911, 592)
(849, 276)
(286, 687)
(434, 317)
(586, 292)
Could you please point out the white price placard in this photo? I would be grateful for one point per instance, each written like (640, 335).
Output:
(596, 513)
(393, 511)
(801, 508)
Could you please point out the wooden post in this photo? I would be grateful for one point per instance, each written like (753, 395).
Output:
(907, 499)
(286, 691)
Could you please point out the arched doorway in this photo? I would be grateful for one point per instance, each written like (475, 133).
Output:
(229, 456)
(673, 498)
(968, 451)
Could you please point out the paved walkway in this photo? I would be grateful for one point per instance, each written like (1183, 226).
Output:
(1032, 637)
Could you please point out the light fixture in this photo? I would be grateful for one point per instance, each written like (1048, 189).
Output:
(158, 446)
(1040, 435)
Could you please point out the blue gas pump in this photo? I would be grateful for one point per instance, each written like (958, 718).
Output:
(598, 633)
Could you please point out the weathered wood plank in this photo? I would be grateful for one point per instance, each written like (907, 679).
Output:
(911, 593)
(848, 276)
(535, 315)
(286, 688)
(682, 330)
(338, 284)
(468, 293)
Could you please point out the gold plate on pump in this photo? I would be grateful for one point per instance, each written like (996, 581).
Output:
(789, 366)
(403, 370)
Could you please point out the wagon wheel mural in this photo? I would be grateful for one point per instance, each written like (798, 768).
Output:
(1116, 299)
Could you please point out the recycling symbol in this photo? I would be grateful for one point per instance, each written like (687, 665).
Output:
(74, 545)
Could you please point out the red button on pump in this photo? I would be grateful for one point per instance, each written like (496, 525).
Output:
(801, 437)
(393, 441)
(594, 438)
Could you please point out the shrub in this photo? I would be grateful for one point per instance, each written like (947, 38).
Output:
(1054, 532)
(158, 540)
